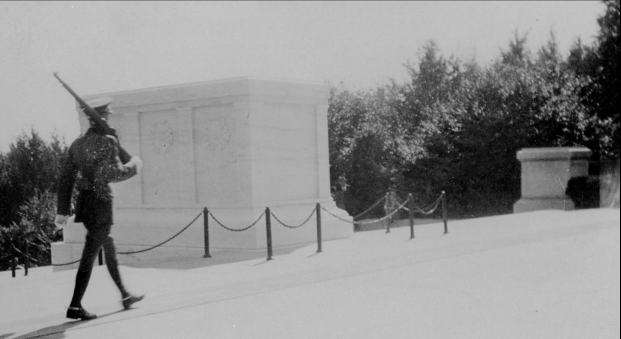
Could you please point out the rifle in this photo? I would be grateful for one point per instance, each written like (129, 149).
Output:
(91, 113)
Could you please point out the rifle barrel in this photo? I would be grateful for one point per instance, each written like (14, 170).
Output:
(91, 113)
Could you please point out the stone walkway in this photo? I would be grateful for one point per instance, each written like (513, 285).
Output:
(547, 274)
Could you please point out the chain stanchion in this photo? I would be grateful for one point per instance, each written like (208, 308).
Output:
(206, 230)
(100, 256)
(13, 260)
(268, 230)
(27, 265)
(388, 203)
(318, 211)
(411, 214)
(444, 216)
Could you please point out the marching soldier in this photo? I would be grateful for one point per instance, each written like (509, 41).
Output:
(94, 160)
(391, 204)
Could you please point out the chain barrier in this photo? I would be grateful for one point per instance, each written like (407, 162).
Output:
(336, 216)
(402, 206)
(288, 226)
(429, 209)
(162, 243)
(69, 263)
(239, 230)
(22, 253)
(369, 222)
(144, 250)
(370, 208)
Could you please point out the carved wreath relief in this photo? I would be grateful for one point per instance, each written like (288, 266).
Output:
(162, 137)
(216, 136)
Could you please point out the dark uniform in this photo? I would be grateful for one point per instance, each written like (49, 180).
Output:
(93, 161)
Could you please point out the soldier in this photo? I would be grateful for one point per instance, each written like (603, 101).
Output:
(339, 195)
(391, 204)
(93, 161)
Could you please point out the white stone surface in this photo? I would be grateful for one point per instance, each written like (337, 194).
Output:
(235, 146)
(545, 174)
(544, 274)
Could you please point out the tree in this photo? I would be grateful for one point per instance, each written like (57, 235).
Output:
(368, 143)
(29, 173)
(607, 51)
(456, 127)
(35, 230)
(600, 63)
(517, 54)
(29, 168)
(473, 130)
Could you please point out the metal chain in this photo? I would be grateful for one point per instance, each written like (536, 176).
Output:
(395, 211)
(69, 263)
(22, 253)
(234, 230)
(302, 224)
(336, 216)
(370, 208)
(368, 222)
(430, 209)
(418, 209)
(144, 250)
(162, 243)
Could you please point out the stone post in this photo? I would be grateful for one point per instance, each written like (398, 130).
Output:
(545, 173)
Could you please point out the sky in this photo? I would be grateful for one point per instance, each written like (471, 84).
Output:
(101, 47)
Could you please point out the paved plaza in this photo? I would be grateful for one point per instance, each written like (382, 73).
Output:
(546, 274)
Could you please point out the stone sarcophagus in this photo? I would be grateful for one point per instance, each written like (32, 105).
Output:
(235, 146)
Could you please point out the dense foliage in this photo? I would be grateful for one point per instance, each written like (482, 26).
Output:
(600, 63)
(28, 177)
(456, 126)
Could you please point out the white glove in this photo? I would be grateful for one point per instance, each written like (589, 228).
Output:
(61, 221)
(113, 138)
(135, 162)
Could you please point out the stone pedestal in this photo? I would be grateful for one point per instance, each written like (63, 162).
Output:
(235, 146)
(545, 173)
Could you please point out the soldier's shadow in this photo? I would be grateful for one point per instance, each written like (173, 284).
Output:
(58, 331)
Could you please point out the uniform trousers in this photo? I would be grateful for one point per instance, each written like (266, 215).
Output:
(98, 236)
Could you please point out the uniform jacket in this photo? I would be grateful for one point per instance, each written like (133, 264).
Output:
(93, 161)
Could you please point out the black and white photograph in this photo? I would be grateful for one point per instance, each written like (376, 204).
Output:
(310, 169)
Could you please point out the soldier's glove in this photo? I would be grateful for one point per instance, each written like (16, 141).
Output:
(113, 138)
(135, 162)
(61, 221)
